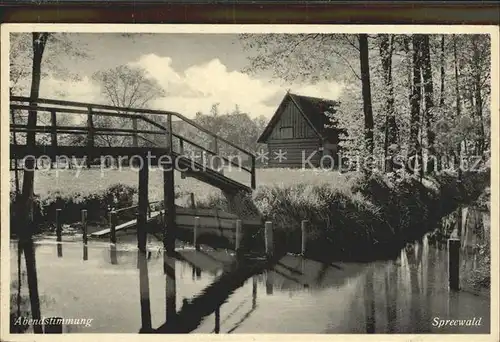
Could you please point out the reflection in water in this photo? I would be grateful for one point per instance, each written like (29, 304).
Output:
(452, 304)
(269, 282)
(217, 320)
(170, 287)
(369, 302)
(395, 297)
(144, 291)
(254, 292)
(53, 325)
(59, 250)
(391, 290)
(196, 272)
(113, 256)
(26, 245)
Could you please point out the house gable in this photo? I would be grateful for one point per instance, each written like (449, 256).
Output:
(292, 125)
(288, 115)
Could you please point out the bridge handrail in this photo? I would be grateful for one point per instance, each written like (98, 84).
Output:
(132, 113)
(110, 131)
(121, 109)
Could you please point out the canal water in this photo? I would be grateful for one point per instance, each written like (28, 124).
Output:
(108, 286)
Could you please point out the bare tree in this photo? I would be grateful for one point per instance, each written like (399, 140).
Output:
(127, 87)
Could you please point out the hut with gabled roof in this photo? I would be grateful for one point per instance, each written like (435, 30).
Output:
(303, 129)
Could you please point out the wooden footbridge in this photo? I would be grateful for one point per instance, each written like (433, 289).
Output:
(162, 139)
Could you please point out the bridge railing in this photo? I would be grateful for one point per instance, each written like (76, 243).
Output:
(152, 128)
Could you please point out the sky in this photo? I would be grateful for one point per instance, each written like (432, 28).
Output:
(195, 71)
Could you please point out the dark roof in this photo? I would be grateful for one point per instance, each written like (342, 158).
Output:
(313, 109)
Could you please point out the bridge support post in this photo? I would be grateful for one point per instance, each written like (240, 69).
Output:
(142, 217)
(169, 229)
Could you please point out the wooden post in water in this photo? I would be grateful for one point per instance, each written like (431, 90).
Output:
(195, 233)
(59, 233)
(268, 238)
(112, 227)
(237, 238)
(58, 225)
(303, 227)
(143, 204)
(193, 203)
(454, 264)
(84, 226)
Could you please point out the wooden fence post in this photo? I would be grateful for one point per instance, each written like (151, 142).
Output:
(112, 227)
(454, 264)
(195, 233)
(193, 203)
(268, 238)
(84, 226)
(303, 227)
(58, 225)
(237, 238)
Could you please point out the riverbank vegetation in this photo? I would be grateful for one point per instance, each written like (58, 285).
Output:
(359, 217)
(346, 213)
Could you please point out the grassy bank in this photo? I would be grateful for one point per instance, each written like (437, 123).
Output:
(96, 191)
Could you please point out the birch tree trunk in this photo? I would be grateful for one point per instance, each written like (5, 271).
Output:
(391, 130)
(366, 90)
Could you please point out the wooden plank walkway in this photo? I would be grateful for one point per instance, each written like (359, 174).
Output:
(210, 219)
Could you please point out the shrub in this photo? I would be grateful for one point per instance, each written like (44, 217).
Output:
(97, 205)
